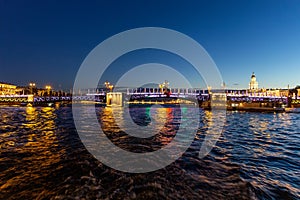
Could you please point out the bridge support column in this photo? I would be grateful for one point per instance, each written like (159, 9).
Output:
(114, 99)
(30, 98)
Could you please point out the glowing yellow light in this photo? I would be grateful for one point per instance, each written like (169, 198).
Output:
(110, 87)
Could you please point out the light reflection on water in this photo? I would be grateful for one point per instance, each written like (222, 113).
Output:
(28, 148)
(261, 146)
(163, 124)
(42, 157)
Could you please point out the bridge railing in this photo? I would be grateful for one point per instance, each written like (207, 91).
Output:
(69, 98)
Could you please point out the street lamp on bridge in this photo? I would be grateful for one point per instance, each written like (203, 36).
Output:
(48, 88)
(108, 86)
(31, 86)
(164, 86)
(111, 87)
(106, 83)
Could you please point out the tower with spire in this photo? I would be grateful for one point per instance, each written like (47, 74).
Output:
(253, 85)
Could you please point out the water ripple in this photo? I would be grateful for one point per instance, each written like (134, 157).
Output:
(42, 157)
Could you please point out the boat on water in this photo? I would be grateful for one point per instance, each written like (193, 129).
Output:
(246, 103)
(292, 110)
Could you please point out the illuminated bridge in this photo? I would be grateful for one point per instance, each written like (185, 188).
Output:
(143, 94)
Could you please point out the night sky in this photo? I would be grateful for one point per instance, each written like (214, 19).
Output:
(46, 41)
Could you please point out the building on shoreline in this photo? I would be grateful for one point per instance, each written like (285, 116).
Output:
(253, 85)
(255, 90)
(7, 89)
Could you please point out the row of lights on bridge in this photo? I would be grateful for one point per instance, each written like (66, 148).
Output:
(33, 85)
(47, 87)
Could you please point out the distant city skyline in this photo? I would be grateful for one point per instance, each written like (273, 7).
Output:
(46, 42)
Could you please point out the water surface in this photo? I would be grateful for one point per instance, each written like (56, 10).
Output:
(42, 157)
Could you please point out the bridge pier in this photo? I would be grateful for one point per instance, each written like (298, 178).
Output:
(30, 98)
(114, 99)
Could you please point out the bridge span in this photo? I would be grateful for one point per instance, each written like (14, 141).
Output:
(139, 95)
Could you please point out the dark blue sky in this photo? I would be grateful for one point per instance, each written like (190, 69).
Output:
(46, 41)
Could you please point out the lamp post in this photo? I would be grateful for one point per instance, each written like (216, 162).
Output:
(106, 83)
(48, 88)
(164, 86)
(161, 86)
(111, 87)
(209, 89)
(108, 86)
(31, 86)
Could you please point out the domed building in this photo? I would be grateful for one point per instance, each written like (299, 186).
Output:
(253, 85)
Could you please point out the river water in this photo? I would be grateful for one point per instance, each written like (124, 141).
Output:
(42, 157)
